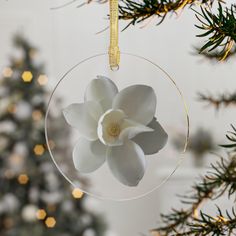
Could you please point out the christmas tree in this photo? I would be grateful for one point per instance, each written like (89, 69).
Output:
(34, 198)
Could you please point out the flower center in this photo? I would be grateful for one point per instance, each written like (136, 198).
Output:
(114, 129)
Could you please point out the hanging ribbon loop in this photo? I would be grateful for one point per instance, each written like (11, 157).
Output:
(114, 52)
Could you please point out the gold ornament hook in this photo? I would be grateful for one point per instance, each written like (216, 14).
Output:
(114, 52)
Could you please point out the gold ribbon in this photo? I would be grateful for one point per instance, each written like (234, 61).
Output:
(114, 52)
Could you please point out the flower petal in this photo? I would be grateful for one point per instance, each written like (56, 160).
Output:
(101, 90)
(152, 142)
(131, 128)
(127, 163)
(88, 155)
(138, 102)
(84, 117)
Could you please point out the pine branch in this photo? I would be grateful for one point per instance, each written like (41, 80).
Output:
(137, 12)
(215, 55)
(212, 186)
(220, 100)
(219, 225)
(220, 29)
(231, 136)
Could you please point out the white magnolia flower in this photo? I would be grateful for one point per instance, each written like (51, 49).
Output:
(119, 127)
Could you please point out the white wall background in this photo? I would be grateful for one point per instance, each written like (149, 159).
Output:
(68, 35)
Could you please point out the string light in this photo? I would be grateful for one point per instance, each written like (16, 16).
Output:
(39, 149)
(50, 222)
(7, 72)
(23, 179)
(77, 193)
(41, 214)
(221, 219)
(27, 76)
(195, 213)
(42, 80)
(37, 115)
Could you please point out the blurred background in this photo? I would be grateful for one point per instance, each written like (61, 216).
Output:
(38, 45)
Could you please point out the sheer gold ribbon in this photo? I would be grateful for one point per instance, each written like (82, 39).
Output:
(114, 52)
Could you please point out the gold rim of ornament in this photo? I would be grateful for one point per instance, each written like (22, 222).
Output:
(186, 114)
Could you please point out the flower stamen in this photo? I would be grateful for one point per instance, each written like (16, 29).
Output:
(114, 130)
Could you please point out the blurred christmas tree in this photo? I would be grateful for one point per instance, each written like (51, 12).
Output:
(34, 198)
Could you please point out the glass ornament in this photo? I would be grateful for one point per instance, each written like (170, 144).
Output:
(171, 112)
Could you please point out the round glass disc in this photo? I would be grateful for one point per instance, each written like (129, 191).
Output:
(132, 159)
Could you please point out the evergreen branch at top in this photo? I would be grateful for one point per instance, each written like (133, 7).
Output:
(220, 28)
(213, 185)
(138, 11)
(220, 100)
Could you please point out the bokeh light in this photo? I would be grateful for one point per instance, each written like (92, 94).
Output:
(41, 214)
(23, 179)
(27, 76)
(7, 72)
(42, 80)
(50, 222)
(77, 193)
(39, 149)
